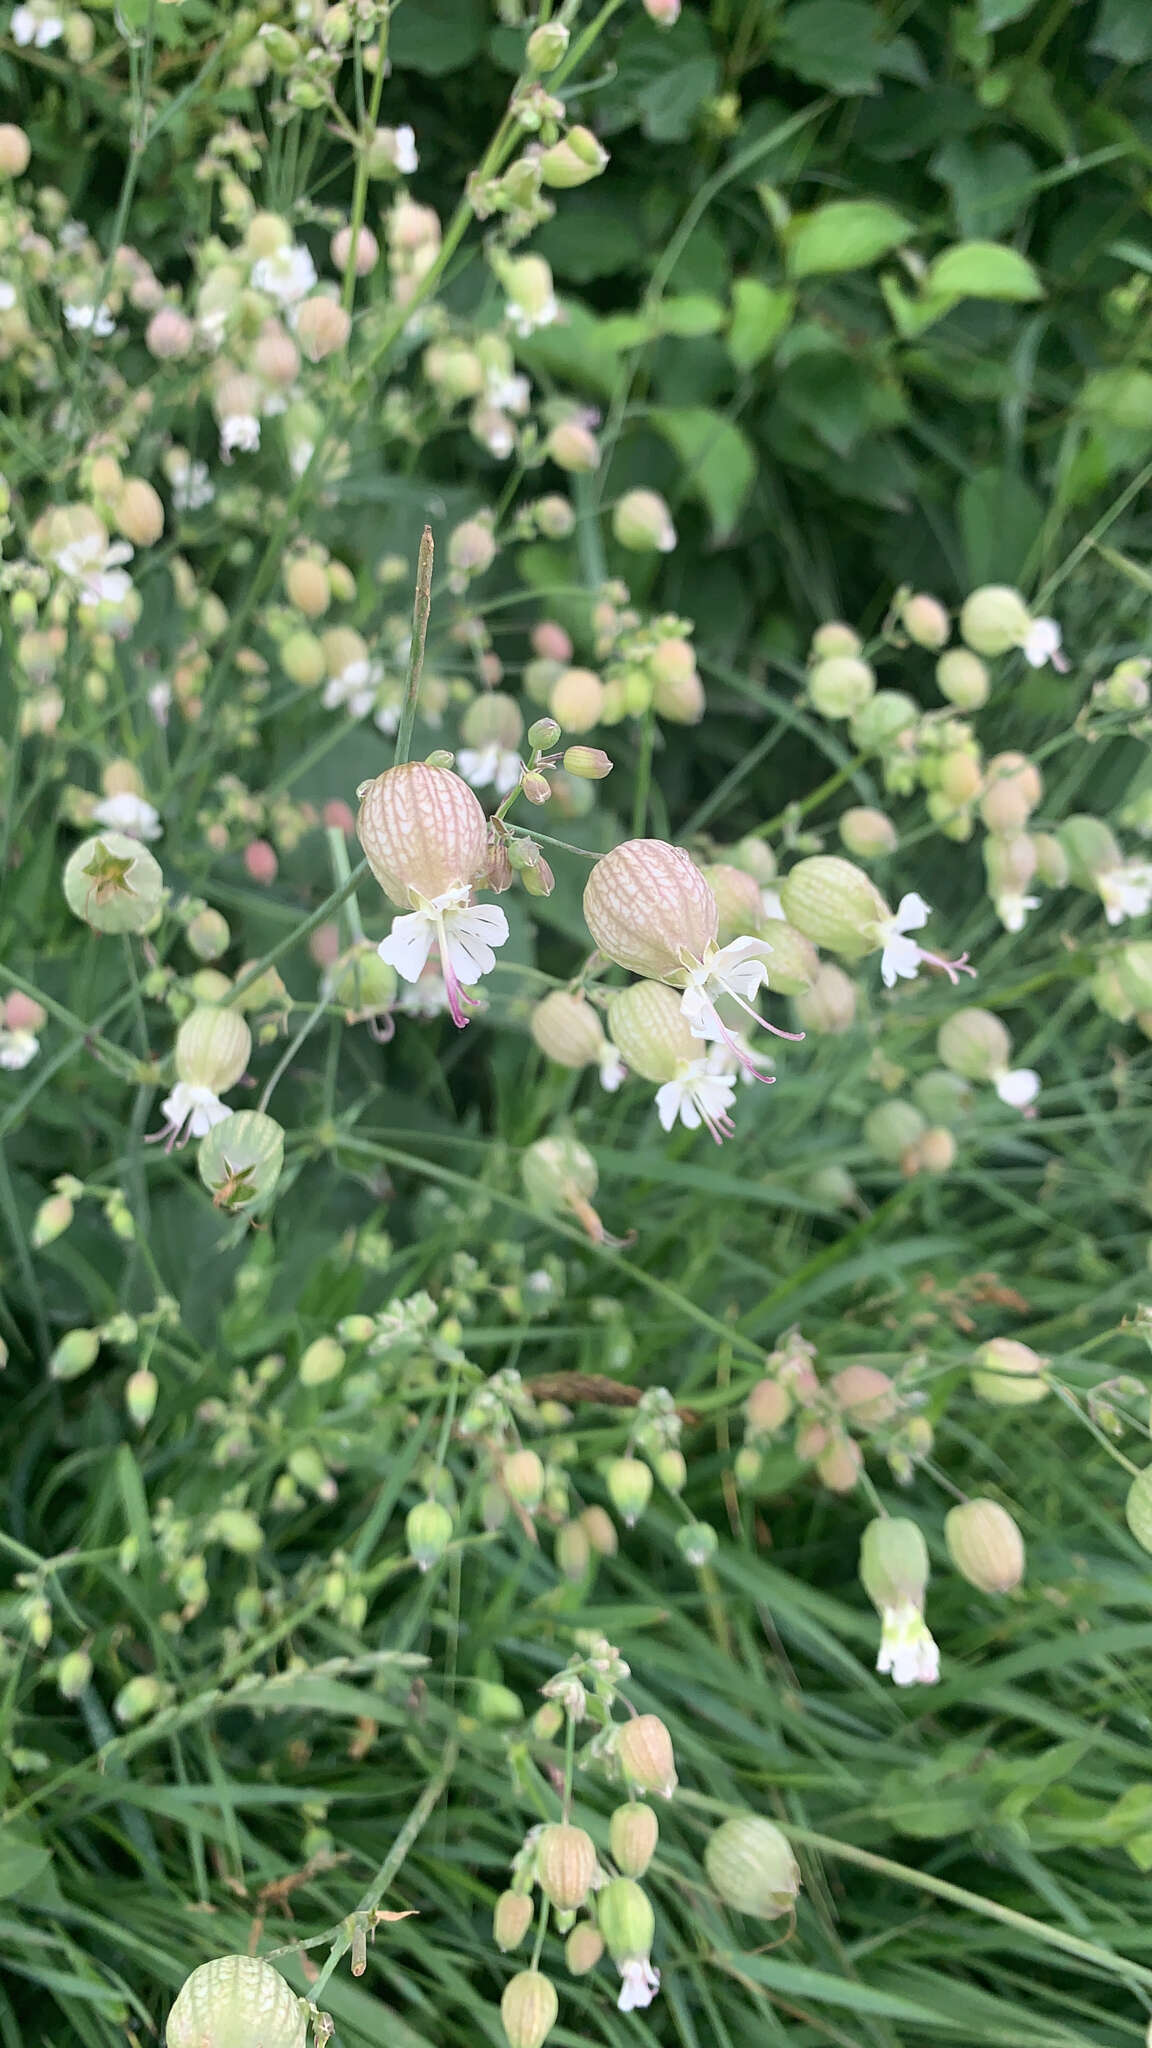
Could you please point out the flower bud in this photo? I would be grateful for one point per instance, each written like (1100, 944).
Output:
(645, 904)
(1089, 848)
(51, 1221)
(134, 1701)
(985, 1545)
(528, 2009)
(238, 1530)
(865, 1394)
(974, 1043)
(677, 692)
(891, 1129)
(322, 326)
(600, 1530)
(1013, 786)
(841, 686)
(15, 150)
(962, 677)
(644, 1751)
(208, 934)
(867, 833)
(428, 1529)
(633, 1833)
(767, 1408)
(832, 903)
(583, 1948)
(877, 727)
(543, 734)
(925, 621)
(76, 1353)
(751, 1865)
(573, 447)
(74, 1674)
(588, 764)
(140, 1396)
(557, 1174)
(565, 1865)
(834, 638)
(1138, 1508)
(212, 1049)
(567, 1029)
(511, 1919)
(626, 1919)
(423, 832)
(642, 522)
(139, 512)
(665, 13)
(323, 1360)
(114, 884)
(235, 2002)
(629, 1484)
(828, 1006)
(738, 902)
(576, 700)
(522, 1475)
(935, 1152)
(1010, 1374)
(572, 1551)
(546, 46)
(574, 160)
(994, 619)
(893, 1562)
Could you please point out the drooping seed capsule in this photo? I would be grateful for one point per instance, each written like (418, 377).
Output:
(751, 1865)
(428, 1529)
(241, 1159)
(985, 1545)
(629, 1483)
(528, 2009)
(633, 1833)
(644, 1750)
(511, 1919)
(650, 1031)
(212, 1049)
(646, 905)
(237, 2002)
(565, 1865)
(423, 832)
(567, 1029)
(834, 904)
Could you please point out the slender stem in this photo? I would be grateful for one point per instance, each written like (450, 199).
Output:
(112, 1053)
(342, 874)
(293, 1047)
(421, 607)
(360, 185)
(643, 774)
(301, 931)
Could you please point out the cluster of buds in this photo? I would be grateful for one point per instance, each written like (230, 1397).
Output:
(830, 1420)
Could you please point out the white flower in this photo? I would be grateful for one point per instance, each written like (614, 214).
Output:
(95, 567)
(1018, 1088)
(907, 1648)
(639, 1983)
(98, 318)
(1125, 891)
(1042, 645)
(901, 956)
(192, 487)
(465, 933)
(17, 1048)
(1012, 909)
(287, 276)
(7, 295)
(127, 812)
(697, 1096)
(404, 150)
(190, 1112)
(771, 905)
(507, 390)
(160, 702)
(612, 1069)
(355, 687)
(737, 970)
(387, 715)
(524, 320)
(239, 430)
(492, 766)
(31, 25)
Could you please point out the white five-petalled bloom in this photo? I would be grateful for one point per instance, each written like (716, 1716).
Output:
(907, 1647)
(354, 689)
(1018, 1087)
(465, 934)
(126, 812)
(1042, 645)
(17, 1049)
(901, 956)
(697, 1095)
(492, 766)
(239, 431)
(404, 154)
(1125, 891)
(84, 318)
(286, 276)
(94, 566)
(190, 1112)
(192, 485)
(37, 27)
(737, 970)
(639, 1983)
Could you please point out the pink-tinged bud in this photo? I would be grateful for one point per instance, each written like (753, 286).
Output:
(24, 1013)
(677, 692)
(828, 1006)
(642, 523)
(339, 817)
(834, 638)
(576, 700)
(322, 326)
(833, 904)
(573, 447)
(234, 2000)
(565, 1865)
(52, 1219)
(738, 904)
(840, 686)
(925, 621)
(15, 150)
(583, 1949)
(276, 358)
(423, 832)
(556, 520)
(600, 1530)
(587, 764)
(633, 1833)
(528, 2009)
(767, 1408)
(367, 250)
(866, 833)
(892, 1129)
(551, 642)
(1013, 786)
(751, 1865)
(959, 776)
(568, 1030)
(974, 1043)
(1051, 860)
(985, 1545)
(522, 1474)
(665, 13)
(648, 908)
(934, 1152)
(1010, 1374)
(644, 1752)
(629, 1484)
(139, 512)
(962, 677)
(471, 548)
(169, 335)
(994, 619)
(307, 587)
(650, 1031)
(261, 862)
(865, 1394)
(1138, 1508)
(840, 1463)
(511, 1919)
(140, 1396)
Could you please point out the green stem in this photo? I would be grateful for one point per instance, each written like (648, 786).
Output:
(291, 1050)
(342, 875)
(302, 931)
(360, 186)
(422, 605)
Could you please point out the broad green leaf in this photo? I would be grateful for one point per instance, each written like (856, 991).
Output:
(1119, 398)
(21, 1863)
(760, 314)
(1000, 519)
(849, 234)
(994, 14)
(989, 179)
(1123, 31)
(438, 36)
(982, 270)
(835, 43)
(718, 459)
(692, 314)
(669, 105)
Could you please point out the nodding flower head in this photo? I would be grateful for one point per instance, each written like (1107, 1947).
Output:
(212, 1050)
(646, 905)
(568, 1030)
(655, 1039)
(894, 1573)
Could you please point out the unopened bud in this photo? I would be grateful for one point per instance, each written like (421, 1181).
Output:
(577, 158)
(74, 1674)
(671, 1468)
(428, 1529)
(994, 619)
(528, 2009)
(565, 1865)
(600, 1530)
(140, 1396)
(140, 1697)
(751, 1865)
(15, 150)
(633, 1834)
(535, 788)
(322, 1361)
(75, 1354)
(833, 904)
(865, 1394)
(543, 734)
(51, 1221)
(573, 447)
(925, 621)
(522, 1474)
(511, 1919)
(767, 1408)
(629, 1484)
(1013, 786)
(583, 1948)
(642, 522)
(572, 1551)
(588, 764)
(1009, 1374)
(985, 1545)
(867, 833)
(546, 46)
(644, 1750)
(962, 677)
(841, 686)
(576, 699)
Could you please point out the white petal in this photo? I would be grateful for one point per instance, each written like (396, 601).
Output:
(613, 1072)
(901, 957)
(668, 1100)
(408, 944)
(700, 1014)
(1018, 1088)
(17, 1049)
(911, 913)
(469, 937)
